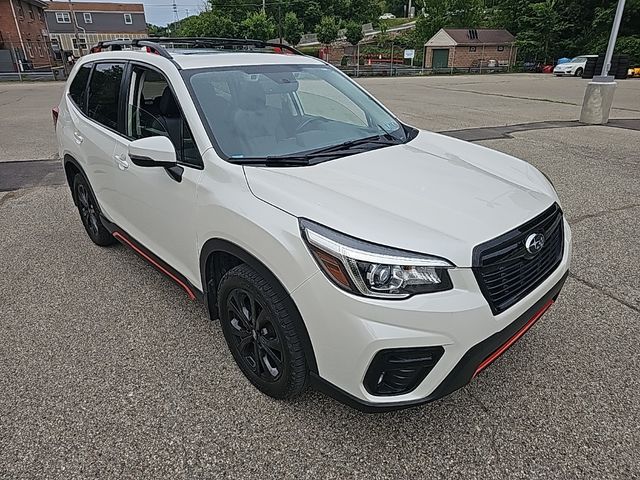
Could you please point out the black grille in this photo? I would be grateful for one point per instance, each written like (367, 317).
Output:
(507, 272)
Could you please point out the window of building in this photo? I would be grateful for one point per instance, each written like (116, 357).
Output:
(30, 49)
(41, 14)
(81, 44)
(78, 87)
(31, 15)
(40, 50)
(127, 19)
(501, 48)
(20, 9)
(87, 17)
(104, 94)
(63, 17)
(472, 49)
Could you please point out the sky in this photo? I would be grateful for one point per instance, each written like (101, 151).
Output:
(160, 12)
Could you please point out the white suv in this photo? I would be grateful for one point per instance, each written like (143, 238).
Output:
(338, 246)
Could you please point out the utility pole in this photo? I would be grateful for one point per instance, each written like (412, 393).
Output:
(279, 20)
(75, 27)
(409, 10)
(264, 6)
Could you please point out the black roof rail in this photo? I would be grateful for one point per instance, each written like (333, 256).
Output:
(159, 44)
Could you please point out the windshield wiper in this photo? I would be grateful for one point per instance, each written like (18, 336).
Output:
(333, 151)
(384, 139)
(274, 161)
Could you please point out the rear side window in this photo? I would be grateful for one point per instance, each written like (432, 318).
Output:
(104, 93)
(78, 88)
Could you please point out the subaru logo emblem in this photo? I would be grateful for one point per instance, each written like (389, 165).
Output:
(534, 243)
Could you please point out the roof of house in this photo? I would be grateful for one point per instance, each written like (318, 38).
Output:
(97, 6)
(472, 36)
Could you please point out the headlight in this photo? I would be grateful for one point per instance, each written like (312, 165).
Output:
(372, 270)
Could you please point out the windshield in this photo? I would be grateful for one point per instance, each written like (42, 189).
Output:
(272, 111)
(578, 60)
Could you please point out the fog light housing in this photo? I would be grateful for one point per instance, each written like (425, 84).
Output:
(398, 371)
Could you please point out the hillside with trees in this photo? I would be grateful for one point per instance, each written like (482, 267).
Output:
(545, 30)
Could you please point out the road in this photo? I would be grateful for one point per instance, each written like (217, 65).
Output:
(107, 370)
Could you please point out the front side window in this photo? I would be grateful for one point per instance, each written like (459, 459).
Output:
(63, 17)
(104, 93)
(127, 19)
(284, 110)
(153, 110)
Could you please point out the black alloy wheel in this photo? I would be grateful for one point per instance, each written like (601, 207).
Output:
(256, 337)
(261, 333)
(90, 213)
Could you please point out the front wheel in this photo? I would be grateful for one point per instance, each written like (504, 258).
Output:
(261, 333)
(578, 72)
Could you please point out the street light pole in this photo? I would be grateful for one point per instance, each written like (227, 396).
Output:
(612, 42)
(598, 97)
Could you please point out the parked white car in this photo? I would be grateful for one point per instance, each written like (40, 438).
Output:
(339, 247)
(575, 67)
(386, 16)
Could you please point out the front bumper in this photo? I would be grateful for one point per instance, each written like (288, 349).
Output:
(347, 331)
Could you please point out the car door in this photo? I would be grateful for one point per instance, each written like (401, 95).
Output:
(96, 134)
(152, 206)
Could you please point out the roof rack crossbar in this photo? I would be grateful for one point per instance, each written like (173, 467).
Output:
(156, 44)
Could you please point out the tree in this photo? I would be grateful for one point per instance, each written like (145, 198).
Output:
(293, 28)
(237, 10)
(544, 29)
(258, 26)
(353, 33)
(327, 30)
(207, 24)
(312, 16)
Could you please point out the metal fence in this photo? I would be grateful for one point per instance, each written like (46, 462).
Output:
(32, 60)
(404, 70)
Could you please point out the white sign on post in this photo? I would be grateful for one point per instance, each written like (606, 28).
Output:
(409, 54)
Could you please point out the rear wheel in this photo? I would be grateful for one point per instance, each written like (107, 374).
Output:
(89, 212)
(578, 72)
(261, 333)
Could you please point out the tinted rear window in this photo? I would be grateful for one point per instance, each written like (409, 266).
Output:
(77, 89)
(104, 93)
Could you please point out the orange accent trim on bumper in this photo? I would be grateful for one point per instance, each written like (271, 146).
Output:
(490, 359)
(122, 238)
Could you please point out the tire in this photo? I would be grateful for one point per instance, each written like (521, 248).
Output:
(578, 72)
(261, 333)
(90, 212)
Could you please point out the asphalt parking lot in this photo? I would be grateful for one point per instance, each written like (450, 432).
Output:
(107, 370)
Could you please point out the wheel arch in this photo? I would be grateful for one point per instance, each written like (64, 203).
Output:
(71, 168)
(217, 256)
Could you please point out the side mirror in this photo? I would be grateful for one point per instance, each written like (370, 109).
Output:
(153, 152)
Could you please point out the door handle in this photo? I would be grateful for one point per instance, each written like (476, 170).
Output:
(78, 138)
(121, 161)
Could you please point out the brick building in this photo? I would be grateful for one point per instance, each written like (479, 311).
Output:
(23, 35)
(470, 48)
(77, 26)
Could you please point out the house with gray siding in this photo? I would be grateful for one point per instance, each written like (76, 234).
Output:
(77, 26)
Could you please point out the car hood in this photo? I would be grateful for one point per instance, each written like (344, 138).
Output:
(434, 195)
